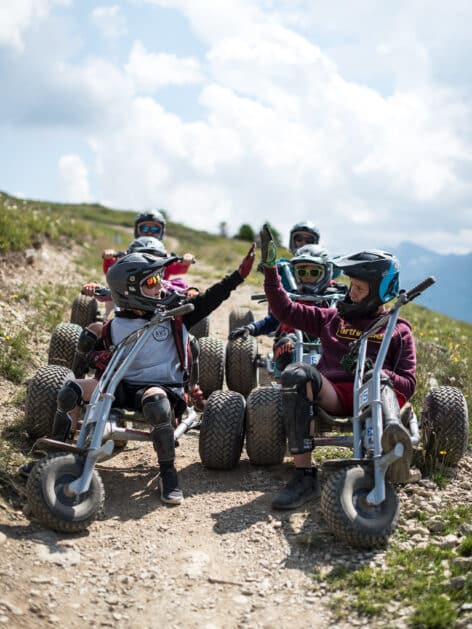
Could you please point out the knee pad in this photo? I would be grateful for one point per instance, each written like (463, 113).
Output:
(69, 396)
(298, 409)
(299, 374)
(283, 351)
(86, 342)
(158, 412)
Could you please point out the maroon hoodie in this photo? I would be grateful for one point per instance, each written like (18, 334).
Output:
(336, 334)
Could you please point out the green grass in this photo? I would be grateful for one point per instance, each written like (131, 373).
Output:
(419, 579)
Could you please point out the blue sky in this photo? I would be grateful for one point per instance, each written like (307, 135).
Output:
(355, 115)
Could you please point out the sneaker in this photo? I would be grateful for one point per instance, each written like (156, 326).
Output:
(25, 469)
(169, 486)
(301, 488)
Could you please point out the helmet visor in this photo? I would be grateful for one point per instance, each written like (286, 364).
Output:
(303, 238)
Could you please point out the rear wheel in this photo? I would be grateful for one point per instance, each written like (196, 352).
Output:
(241, 365)
(445, 425)
(41, 399)
(222, 430)
(211, 365)
(265, 433)
(348, 514)
(84, 310)
(239, 317)
(51, 502)
(63, 344)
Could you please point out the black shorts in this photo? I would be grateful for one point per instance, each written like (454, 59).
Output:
(130, 396)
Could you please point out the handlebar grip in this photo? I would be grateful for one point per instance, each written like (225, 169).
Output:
(180, 310)
(419, 288)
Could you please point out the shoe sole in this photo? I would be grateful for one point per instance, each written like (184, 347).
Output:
(169, 501)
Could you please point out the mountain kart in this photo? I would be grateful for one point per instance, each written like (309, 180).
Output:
(64, 489)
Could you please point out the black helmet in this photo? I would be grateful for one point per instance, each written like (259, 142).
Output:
(380, 269)
(147, 244)
(303, 226)
(154, 216)
(313, 254)
(126, 277)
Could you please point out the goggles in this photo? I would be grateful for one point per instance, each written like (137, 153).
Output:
(312, 272)
(152, 280)
(150, 229)
(306, 238)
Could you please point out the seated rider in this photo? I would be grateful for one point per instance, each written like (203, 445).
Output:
(150, 224)
(157, 380)
(374, 280)
(313, 274)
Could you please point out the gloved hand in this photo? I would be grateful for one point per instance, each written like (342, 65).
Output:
(241, 333)
(268, 247)
(89, 289)
(248, 260)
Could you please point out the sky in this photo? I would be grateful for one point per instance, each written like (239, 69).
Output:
(354, 115)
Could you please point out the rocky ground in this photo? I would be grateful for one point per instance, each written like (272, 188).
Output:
(222, 559)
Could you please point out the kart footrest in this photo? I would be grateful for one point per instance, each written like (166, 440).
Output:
(58, 446)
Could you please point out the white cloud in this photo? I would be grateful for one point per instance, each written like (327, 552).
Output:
(17, 16)
(74, 179)
(110, 21)
(151, 71)
(346, 123)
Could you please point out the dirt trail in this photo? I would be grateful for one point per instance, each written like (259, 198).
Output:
(222, 559)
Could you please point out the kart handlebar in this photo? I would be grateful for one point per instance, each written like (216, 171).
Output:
(419, 288)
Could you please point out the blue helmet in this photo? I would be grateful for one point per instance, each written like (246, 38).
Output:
(380, 269)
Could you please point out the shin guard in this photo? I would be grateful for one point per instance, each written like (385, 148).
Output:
(298, 409)
(69, 396)
(158, 412)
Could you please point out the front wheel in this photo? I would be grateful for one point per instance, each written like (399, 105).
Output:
(265, 432)
(348, 514)
(239, 317)
(84, 310)
(41, 399)
(241, 365)
(222, 430)
(63, 344)
(445, 425)
(50, 501)
(211, 363)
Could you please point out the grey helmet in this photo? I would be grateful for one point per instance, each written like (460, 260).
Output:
(303, 226)
(126, 277)
(155, 216)
(147, 244)
(380, 269)
(313, 254)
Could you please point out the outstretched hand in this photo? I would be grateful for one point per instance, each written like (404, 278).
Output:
(268, 247)
(247, 262)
